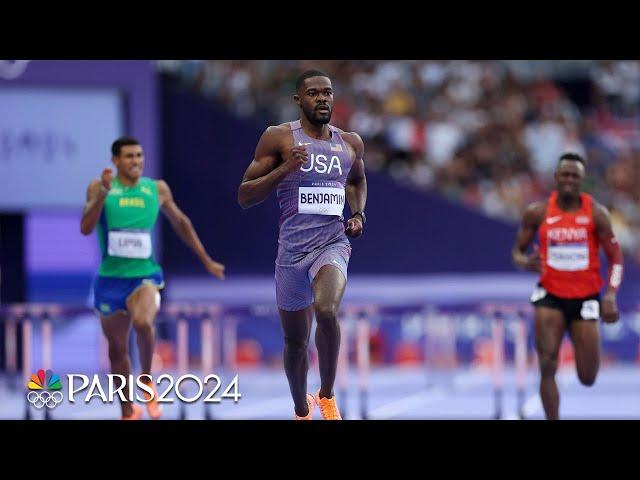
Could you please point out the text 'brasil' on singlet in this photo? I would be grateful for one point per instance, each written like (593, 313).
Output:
(124, 230)
(312, 199)
(569, 250)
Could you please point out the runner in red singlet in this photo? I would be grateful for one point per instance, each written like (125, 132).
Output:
(571, 228)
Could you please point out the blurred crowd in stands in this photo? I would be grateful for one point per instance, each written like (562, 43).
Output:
(479, 132)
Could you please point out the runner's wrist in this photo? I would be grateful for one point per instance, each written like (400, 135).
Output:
(521, 260)
(361, 215)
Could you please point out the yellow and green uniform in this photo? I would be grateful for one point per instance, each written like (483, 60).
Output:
(125, 236)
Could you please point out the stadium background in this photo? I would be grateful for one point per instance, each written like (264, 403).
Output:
(454, 151)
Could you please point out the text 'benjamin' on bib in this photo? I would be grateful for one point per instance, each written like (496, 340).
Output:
(321, 198)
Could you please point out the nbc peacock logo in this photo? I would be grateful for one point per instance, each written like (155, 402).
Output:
(44, 389)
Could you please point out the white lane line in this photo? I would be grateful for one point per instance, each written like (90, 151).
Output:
(421, 398)
(426, 396)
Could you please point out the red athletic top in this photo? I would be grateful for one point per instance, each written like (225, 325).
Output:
(569, 250)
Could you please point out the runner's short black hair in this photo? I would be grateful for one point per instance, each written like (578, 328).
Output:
(308, 74)
(574, 157)
(121, 142)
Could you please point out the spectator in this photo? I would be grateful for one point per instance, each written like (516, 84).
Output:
(484, 133)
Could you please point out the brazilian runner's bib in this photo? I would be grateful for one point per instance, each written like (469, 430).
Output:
(124, 229)
(129, 244)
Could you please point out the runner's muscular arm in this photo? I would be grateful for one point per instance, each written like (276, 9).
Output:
(531, 221)
(615, 260)
(184, 228)
(96, 194)
(264, 174)
(356, 187)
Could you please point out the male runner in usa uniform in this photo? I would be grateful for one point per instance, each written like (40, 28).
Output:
(314, 167)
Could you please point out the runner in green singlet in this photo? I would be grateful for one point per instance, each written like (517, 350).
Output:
(126, 289)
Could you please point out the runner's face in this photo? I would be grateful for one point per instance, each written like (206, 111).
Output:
(130, 162)
(569, 177)
(315, 99)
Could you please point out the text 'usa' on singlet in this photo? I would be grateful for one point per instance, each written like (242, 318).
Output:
(312, 198)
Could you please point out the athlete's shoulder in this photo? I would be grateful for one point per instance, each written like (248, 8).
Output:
(161, 185)
(587, 195)
(275, 134)
(535, 212)
(148, 182)
(539, 206)
(591, 199)
(282, 129)
(347, 135)
(353, 139)
(94, 183)
(274, 140)
(598, 209)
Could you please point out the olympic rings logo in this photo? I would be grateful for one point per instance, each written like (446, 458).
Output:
(42, 399)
